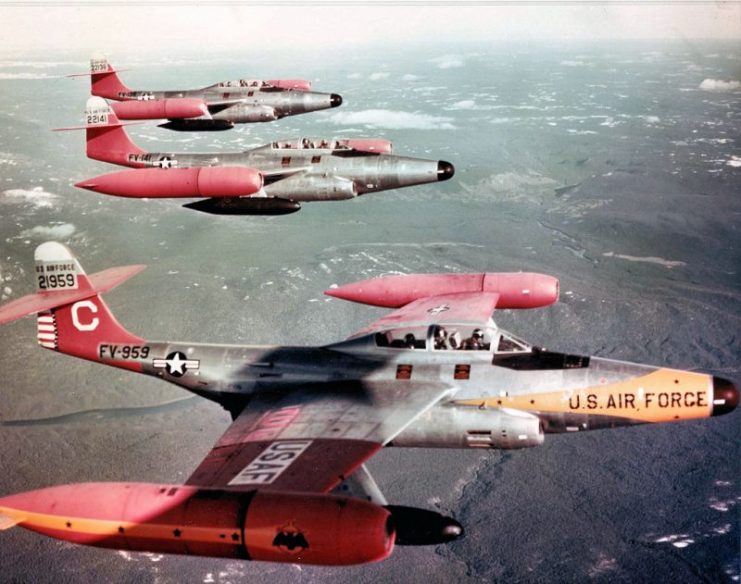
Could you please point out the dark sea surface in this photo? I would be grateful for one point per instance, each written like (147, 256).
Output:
(606, 165)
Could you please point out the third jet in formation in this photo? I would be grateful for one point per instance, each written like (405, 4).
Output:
(268, 180)
(215, 107)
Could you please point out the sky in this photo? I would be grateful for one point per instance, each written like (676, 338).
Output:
(141, 26)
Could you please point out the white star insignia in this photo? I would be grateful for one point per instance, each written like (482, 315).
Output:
(176, 364)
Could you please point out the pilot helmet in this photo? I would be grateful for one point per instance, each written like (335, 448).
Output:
(478, 333)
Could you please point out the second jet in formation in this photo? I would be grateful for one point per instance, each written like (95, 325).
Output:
(272, 179)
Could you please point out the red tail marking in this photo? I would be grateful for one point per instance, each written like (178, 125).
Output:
(111, 143)
(108, 85)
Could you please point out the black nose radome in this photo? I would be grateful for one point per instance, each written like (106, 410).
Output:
(445, 170)
(725, 396)
(335, 100)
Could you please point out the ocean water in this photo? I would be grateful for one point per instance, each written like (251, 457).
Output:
(612, 166)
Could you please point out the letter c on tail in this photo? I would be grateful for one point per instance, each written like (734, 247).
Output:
(85, 326)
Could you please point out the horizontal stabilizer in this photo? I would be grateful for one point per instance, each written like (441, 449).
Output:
(89, 73)
(100, 282)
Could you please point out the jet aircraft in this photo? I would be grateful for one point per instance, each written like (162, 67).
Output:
(216, 107)
(269, 180)
(287, 482)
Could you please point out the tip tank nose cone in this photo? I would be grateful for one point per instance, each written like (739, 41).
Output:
(445, 170)
(86, 184)
(422, 527)
(725, 396)
(335, 100)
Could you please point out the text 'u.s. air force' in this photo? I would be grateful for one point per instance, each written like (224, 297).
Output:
(271, 463)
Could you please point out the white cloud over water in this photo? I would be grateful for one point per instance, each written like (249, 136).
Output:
(720, 85)
(37, 197)
(58, 231)
(393, 120)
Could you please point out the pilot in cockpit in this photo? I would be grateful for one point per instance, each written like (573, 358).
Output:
(441, 338)
(475, 342)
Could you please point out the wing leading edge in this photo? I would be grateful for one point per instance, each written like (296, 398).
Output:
(473, 308)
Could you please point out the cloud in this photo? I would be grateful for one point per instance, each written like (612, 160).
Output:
(410, 77)
(719, 85)
(26, 76)
(466, 104)
(448, 61)
(37, 197)
(58, 231)
(378, 76)
(393, 120)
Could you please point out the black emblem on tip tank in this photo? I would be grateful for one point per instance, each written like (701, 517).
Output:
(290, 539)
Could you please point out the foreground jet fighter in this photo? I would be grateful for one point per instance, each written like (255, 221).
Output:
(216, 107)
(435, 372)
(269, 180)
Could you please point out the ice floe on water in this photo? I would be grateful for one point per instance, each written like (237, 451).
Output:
(54, 231)
(36, 197)
(393, 120)
(603, 566)
(678, 541)
(734, 161)
(720, 85)
(379, 75)
(647, 259)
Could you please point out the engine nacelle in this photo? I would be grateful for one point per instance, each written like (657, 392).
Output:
(516, 290)
(308, 187)
(472, 427)
(243, 114)
(376, 145)
(208, 181)
(275, 527)
(173, 108)
(297, 84)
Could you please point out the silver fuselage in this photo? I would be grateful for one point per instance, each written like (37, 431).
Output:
(311, 174)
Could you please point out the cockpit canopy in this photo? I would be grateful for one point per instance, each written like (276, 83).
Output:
(255, 83)
(311, 144)
(452, 337)
(364, 145)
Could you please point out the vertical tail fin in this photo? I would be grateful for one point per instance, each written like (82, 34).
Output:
(105, 136)
(73, 318)
(104, 81)
(77, 328)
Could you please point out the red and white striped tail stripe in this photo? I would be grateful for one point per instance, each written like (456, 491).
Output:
(47, 330)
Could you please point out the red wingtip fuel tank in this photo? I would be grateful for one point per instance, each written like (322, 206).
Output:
(221, 181)
(174, 108)
(516, 290)
(276, 527)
